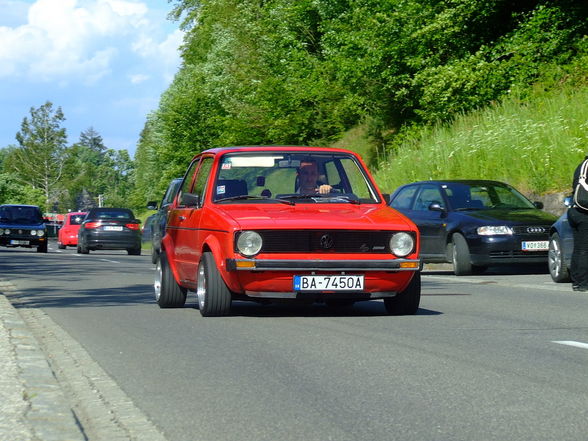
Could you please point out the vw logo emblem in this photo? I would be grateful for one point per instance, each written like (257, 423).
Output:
(535, 230)
(327, 242)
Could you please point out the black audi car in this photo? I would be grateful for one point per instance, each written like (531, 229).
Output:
(23, 226)
(475, 224)
(110, 229)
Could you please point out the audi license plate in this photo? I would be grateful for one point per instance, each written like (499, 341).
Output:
(328, 283)
(111, 228)
(536, 245)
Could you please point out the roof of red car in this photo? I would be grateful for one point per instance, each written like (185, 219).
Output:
(268, 148)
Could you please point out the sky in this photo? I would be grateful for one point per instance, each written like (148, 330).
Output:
(104, 62)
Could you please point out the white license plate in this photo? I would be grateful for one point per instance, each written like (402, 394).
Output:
(19, 242)
(536, 245)
(111, 228)
(328, 283)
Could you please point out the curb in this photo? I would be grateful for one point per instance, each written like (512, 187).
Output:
(33, 405)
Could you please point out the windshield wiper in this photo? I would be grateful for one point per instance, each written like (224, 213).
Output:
(248, 196)
(327, 197)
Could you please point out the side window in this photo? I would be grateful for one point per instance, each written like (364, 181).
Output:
(404, 198)
(187, 183)
(202, 177)
(426, 197)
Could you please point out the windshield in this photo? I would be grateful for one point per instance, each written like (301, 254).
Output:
(297, 177)
(487, 195)
(14, 214)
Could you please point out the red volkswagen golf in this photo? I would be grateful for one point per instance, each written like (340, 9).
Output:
(302, 224)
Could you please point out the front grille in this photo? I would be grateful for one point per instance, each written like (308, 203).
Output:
(325, 241)
(531, 230)
(19, 233)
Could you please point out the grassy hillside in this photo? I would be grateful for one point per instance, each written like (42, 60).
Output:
(533, 144)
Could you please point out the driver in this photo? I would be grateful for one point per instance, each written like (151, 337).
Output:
(308, 178)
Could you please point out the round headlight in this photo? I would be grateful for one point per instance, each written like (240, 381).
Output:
(401, 244)
(33, 232)
(1, 231)
(40, 233)
(6, 231)
(249, 243)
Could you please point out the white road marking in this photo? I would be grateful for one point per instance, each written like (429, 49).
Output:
(576, 344)
(111, 261)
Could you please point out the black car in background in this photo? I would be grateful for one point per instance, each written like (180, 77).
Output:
(110, 229)
(22, 226)
(160, 217)
(474, 224)
(561, 245)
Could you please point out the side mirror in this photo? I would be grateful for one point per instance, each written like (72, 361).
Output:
(387, 198)
(152, 205)
(436, 206)
(538, 204)
(190, 200)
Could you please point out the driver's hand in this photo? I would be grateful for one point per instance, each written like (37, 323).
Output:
(324, 189)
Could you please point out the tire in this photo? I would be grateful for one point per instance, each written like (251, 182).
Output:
(460, 256)
(168, 294)
(42, 248)
(558, 270)
(406, 302)
(214, 298)
(83, 249)
(134, 251)
(61, 246)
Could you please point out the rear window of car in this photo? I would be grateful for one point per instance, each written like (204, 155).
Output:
(76, 219)
(111, 214)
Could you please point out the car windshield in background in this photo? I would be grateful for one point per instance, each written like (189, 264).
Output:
(275, 177)
(20, 215)
(464, 196)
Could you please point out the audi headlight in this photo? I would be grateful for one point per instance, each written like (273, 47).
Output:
(493, 230)
(401, 244)
(249, 243)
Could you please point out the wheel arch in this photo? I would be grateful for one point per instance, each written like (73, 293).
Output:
(214, 245)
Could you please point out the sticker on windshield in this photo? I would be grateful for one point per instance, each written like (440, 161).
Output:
(226, 166)
(220, 189)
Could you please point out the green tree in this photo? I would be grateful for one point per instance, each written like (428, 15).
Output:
(38, 159)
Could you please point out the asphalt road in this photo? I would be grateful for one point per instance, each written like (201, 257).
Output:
(491, 357)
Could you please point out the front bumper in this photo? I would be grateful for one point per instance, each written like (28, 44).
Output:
(322, 265)
(22, 241)
(495, 250)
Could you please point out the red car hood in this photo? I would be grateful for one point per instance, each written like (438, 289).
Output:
(316, 216)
